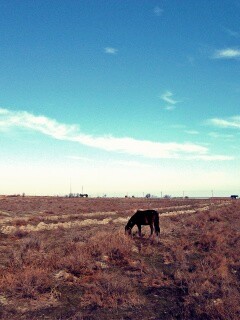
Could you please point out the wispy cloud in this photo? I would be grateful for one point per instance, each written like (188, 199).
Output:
(192, 132)
(158, 11)
(231, 122)
(232, 33)
(110, 50)
(178, 126)
(144, 148)
(229, 53)
(168, 97)
(41, 124)
(217, 135)
(169, 108)
(207, 157)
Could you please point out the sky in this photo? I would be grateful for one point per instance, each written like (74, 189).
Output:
(120, 97)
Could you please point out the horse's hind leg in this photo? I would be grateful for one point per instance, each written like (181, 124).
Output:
(151, 227)
(157, 236)
(157, 227)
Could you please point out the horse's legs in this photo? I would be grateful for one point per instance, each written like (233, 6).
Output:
(151, 227)
(157, 235)
(139, 230)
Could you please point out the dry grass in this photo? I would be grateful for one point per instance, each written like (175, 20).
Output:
(40, 265)
(96, 272)
(207, 253)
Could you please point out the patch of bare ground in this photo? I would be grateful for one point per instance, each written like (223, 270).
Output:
(90, 270)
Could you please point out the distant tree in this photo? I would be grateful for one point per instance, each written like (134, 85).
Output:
(167, 196)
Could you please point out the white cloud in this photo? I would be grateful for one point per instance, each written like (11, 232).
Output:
(178, 126)
(149, 149)
(169, 108)
(158, 11)
(110, 50)
(211, 158)
(37, 123)
(232, 122)
(3, 111)
(79, 158)
(144, 148)
(232, 33)
(228, 53)
(168, 97)
(220, 135)
(192, 132)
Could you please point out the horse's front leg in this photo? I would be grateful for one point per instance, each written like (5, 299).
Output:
(139, 230)
(151, 227)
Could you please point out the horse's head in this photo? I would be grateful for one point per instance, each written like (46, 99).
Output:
(128, 230)
(128, 227)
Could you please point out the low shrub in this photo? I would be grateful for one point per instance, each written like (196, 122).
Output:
(205, 262)
(111, 290)
(27, 282)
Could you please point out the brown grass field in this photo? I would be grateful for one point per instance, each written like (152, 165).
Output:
(68, 258)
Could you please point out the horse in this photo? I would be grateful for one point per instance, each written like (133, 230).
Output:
(144, 217)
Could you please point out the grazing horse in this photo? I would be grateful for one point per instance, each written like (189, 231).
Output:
(144, 217)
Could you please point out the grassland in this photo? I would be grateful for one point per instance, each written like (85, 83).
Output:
(64, 258)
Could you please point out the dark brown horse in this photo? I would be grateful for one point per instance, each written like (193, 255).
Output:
(144, 217)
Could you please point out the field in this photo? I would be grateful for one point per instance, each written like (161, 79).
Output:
(68, 258)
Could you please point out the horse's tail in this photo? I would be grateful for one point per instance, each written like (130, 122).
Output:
(156, 224)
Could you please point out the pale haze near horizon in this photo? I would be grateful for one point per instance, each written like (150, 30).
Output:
(120, 97)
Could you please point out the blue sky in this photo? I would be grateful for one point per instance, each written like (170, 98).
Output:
(120, 97)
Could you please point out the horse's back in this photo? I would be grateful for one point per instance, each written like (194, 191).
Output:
(145, 216)
(148, 212)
